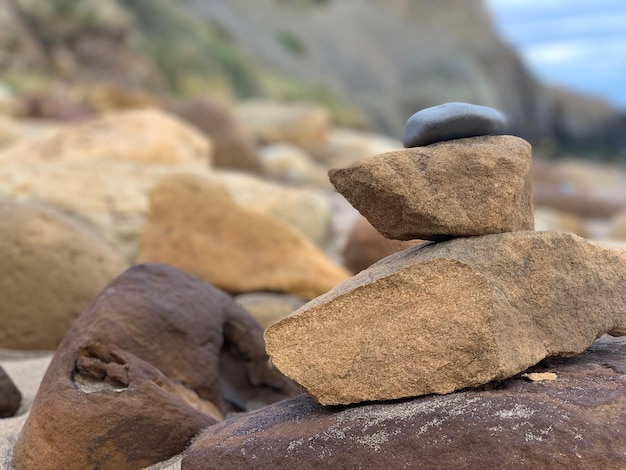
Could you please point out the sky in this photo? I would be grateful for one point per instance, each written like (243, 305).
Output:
(578, 44)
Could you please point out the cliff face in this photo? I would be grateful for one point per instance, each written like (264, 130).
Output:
(387, 57)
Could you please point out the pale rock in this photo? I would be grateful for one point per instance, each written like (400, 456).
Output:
(292, 165)
(141, 136)
(299, 123)
(196, 226)
(51, 269)
(463, 187)
(304, 209)
(451, 315)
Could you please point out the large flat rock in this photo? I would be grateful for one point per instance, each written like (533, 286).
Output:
(573, 422)
(450, 315)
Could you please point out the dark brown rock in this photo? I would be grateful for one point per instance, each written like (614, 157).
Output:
(366, 246)
(10, 396)
(233, 148)
(573, 422)
(156, 357)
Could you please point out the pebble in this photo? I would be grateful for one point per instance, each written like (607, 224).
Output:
(451, 121)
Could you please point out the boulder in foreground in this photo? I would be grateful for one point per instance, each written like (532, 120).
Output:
(156, 357)
(450, 315)
(574, 422)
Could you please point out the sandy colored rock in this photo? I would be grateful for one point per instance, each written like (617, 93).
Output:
(298, 123)
(559, 221)
(233, 147)
(617, 227)
(269, 307)
(156, 357)
(464, 187)
(306, 210)
(144, 136)
(8, 131)
(366, 246)
(445, 316)
(51, 269)
(574, 422)
(292, 165)
(195, 225)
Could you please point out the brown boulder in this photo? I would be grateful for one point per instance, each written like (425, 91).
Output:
(10, 396)
(440, 317)
(463, 187)
(299, 123)
(156, 357)
(574, 422)
(233, 148)
(366, 246)
(195, 225)
(51, 269)
(144, 136)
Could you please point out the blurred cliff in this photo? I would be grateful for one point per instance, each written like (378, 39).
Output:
(371, 62)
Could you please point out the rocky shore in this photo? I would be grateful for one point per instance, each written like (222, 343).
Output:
(185, 288)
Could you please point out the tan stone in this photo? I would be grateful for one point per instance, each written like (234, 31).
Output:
(451, 315)
(463, 187)
(51, 269)
(292, 165)
(195, 225)
(305, 210)
(617, 227)
(299, 123)
(559, 221)
(8, 131)
(145, 136)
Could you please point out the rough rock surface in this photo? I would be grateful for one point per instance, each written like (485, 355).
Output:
(440, 317)
(156, 357)
(463, 187)
(51, 269)
(145, 136)
(195, 226)
(574, 422)
(451, 121)
(366, 246)
(232, 147)
(10, 396)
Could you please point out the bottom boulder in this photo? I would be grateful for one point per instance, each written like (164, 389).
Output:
(156, 357)
(574, 420)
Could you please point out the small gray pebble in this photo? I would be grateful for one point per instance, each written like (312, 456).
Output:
(452, 121)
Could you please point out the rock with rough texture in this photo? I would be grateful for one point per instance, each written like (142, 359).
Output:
(440, 317)
(269, 307)
(451, 121)
(51, 269)
(233, 148)
(156, 357)
(298, 123)
(195, 225)
(366, 245)
(573, 422)
(143, 136)
(464, 187)
(10, 396)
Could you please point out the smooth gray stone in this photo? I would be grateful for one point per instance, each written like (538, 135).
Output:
(452, 121)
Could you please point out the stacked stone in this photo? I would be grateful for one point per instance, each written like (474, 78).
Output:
(490, 298)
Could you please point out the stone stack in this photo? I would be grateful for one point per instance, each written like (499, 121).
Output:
(489, 299)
